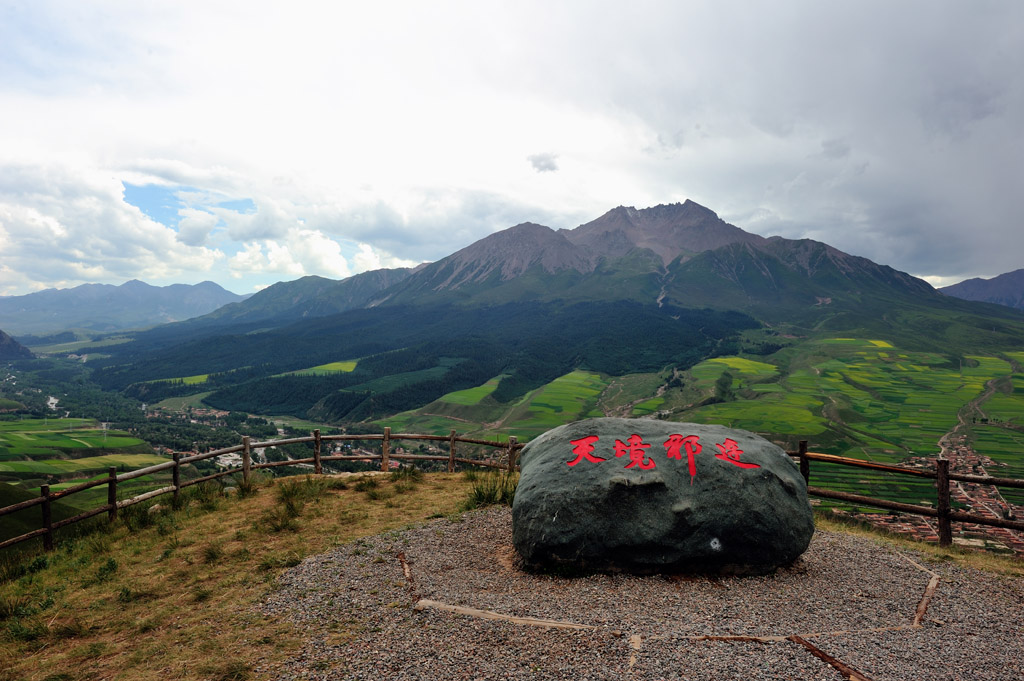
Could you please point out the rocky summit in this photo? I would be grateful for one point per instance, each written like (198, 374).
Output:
(644, 496)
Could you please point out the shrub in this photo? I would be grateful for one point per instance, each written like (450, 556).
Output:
(14, 606)
(106, 571)
(365, 484)
(491, 489)
(408, 474)
(136, 517)
(213, 553)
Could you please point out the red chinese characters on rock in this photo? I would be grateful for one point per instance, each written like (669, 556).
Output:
(692, 445)
(636, 449)
(730, 451)
(583, 449)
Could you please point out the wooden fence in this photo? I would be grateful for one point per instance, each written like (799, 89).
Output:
(942, 511)
(510, 451)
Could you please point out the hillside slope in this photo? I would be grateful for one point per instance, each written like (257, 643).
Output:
(12, 349)
(1006, 289)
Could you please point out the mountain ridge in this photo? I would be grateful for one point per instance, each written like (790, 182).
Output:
(1005, 289)
(107, 307)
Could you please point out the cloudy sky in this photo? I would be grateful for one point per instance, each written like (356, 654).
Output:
(253, 142)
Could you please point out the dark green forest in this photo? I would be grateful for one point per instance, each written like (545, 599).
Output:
(412, 355)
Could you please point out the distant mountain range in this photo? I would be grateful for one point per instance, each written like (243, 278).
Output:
(105, 308)
(1006, 289)
(632, 291)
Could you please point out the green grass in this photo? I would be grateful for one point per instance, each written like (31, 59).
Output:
(54, 438)
(1006, 406)
(473, 396)
(182, 403)
(1006, 447)
(342, 367)
(398, 381)
(623, 391)
(80, 467)
(78, 346)
(45, 425)
(568, 398)
(198, 379)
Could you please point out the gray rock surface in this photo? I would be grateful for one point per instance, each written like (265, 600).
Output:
(638, 495)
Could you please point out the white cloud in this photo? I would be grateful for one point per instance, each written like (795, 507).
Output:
(66, 226)
(301, 253)
(543, 163)
(889, 130)
(195, 226)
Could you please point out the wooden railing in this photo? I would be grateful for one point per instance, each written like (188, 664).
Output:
(942, 511)
(46, 497)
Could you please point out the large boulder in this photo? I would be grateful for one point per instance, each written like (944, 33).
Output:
(643, 496)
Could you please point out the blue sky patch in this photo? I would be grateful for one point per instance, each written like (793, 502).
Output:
(159, 202)
(243, 206)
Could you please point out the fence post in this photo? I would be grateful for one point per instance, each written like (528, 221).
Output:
(451, 453)
(176, 478)
(111, 494)
(385, 449)
(246, 459)
(317, 467)
(44, 492)
(805, 463)
(511, 453)
(943, 506)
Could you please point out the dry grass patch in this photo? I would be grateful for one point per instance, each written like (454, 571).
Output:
(175, 597)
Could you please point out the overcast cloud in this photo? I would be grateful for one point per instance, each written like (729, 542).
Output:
(184, 141)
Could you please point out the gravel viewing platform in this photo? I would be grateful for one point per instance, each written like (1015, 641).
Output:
(439, 602)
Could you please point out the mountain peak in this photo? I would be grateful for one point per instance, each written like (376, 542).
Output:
(508, 254)
(670, 230)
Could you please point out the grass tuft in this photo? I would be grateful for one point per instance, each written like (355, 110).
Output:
(492, 489)
(408, 474)
(235, 670)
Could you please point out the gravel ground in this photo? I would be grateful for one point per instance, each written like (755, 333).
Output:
(853, 599)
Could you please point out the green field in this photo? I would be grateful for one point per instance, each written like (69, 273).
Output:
(198, 379)
(568, 398)
(398, 381)
(54, 438)
(864, 399)
(342, 367)
(182, 403)
(38, 451)
(473, 396)
(81, 346)
(1006, 448)
(79, 467)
